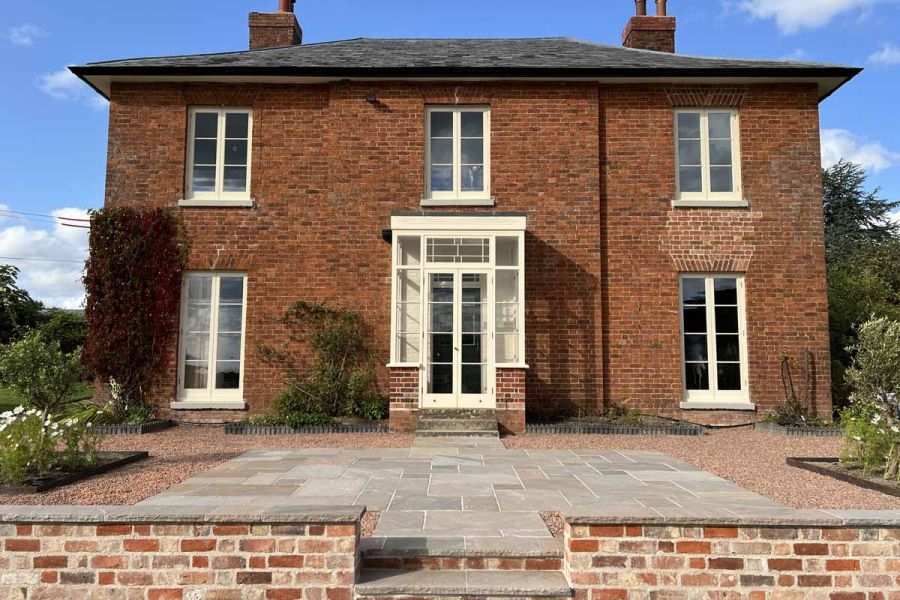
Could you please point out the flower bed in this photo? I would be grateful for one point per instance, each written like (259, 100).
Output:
(589, 428)
(105, 461)
(252, 429)
(135, 429)
(809, 431)
(831, 467)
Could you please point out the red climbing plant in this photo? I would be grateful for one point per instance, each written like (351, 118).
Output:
(133, 283)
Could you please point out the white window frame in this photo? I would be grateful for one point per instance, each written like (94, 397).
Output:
(706, 197)
(713, 398)
(457, 197)
(210, 397)
(490, 267)
(219, 196)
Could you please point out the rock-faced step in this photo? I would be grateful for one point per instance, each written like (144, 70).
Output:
(374, 583)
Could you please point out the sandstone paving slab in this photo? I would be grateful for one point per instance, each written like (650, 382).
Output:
(404, 500)
(447, 488)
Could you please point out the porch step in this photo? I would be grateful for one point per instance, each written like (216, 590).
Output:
(375, 583)
(457, 434)
(432, 424)
(457, 423)
(462, 554)
(457, 413)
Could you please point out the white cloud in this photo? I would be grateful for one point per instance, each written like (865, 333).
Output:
(888, 55)
(25, 35)
(840, 144)
(796, 54)
(64, 85)
(792, 16)
(56, 284)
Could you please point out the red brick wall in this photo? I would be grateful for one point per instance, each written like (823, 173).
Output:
(174, 561)
(778, 242)
(593, 170)
(625, 562)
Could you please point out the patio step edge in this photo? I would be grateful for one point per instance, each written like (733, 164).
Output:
(494, 584)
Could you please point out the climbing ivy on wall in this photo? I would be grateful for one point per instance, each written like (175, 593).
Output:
(133, 283)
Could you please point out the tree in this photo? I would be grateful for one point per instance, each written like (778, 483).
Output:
(19, 312)
(41, 373)
(854, 218)
(66, 327)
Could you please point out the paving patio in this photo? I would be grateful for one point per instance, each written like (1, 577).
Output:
(459, 493)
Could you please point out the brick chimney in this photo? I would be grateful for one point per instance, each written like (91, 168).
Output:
(275, 30)
(650, 33)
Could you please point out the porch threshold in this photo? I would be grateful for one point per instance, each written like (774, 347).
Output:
(737, 406)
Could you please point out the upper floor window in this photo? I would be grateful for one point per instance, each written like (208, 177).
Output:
(218, 165)
(458, 154)
(708, 153)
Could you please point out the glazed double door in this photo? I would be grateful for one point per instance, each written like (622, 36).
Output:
(458, 339)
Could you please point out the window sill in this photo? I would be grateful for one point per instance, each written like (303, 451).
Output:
(710, 203)
(403, 365)
(740, 406)
(429, 202)
(208, 405)
(250, 203)
(512, 366)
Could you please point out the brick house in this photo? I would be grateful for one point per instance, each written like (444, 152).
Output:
(540, 224)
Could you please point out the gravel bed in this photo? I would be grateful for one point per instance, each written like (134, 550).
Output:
(555, 523)
(752, 459)
(369, 523)
(182, 452)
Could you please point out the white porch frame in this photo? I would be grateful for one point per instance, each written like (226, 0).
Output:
(457, 226)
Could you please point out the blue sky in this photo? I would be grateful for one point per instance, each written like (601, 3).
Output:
(52, 161)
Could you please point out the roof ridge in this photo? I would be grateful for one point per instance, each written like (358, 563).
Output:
(248, 51)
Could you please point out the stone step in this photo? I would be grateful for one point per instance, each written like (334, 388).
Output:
(458, 413)
(458, 434)
(493, 584)
(432, 424)
(463, 554)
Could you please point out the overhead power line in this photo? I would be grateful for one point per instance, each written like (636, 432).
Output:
(59, 260)
(15, 212)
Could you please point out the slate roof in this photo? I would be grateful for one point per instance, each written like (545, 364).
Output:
(516, 57)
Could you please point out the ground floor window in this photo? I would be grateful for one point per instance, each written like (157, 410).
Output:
(212, 336)
(713, 332)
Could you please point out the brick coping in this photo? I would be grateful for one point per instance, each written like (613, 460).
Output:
(774, 518)
(177, 515)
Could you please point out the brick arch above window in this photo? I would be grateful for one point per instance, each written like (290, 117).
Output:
(219, 95)
(712, 263)
(457, 94)
(706, 96)
(225, 260)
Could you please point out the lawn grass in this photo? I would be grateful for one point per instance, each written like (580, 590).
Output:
(10, 399)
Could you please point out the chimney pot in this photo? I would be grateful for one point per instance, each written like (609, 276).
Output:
(660, 8)
(640, 7)
(286, 6)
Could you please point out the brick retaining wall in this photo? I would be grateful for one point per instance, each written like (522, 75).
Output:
(751, 561)
(121, 554)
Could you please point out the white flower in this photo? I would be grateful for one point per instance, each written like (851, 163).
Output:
(857, 438)
(19, 410)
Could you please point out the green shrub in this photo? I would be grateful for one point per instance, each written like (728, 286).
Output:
(80, 442)
(867, 441)
(41, 373)
(338, 381)
(66, 327)
(298, 420)
(873, 431)
(32, 445)
(26, 445)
